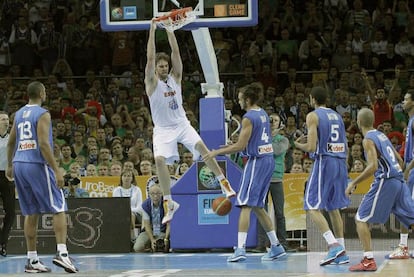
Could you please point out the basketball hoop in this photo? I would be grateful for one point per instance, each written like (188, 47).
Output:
(176, 19)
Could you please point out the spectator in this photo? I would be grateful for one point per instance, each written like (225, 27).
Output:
(66, 159)
(115, 169)
(153, 229)
(78, 146)
(296, 168)
(117, 152)
(187, 157)
(22, 43)
(104, 155)
(307, 165)
(72, 181)
(286, 47)
(181, 169)
(379, 44)
(355, 16)
(280, 147)
(356, 153)
(380, 105)
(306, 46)
(404, 47)
(128, 165)
(91, 170)
(358, 166)
(145, 168)
(48, 45)
(103, 169)
(128, 188)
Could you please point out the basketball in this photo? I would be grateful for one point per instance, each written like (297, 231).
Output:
(221, 205)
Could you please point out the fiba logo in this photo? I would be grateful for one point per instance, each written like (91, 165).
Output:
(207, 178)
(116, 13)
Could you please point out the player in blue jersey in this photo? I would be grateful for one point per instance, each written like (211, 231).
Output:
(256, 141)
(401, 252)
(37, 177)
(325, 189)
(388, 192)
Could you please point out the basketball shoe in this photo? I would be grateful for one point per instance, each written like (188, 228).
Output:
(226, 188)
(342, 259)
(64, 261)
(335, 250)
(399, 253)
(275, 252)
(365, 265)
(239, 255)
(36, 266)
(170, 207)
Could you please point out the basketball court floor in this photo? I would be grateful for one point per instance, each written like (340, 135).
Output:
(207, 264)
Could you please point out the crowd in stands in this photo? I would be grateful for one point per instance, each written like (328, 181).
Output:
(360, 50)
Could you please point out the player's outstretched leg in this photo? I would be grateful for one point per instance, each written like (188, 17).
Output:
(170, 206)
(226, 188)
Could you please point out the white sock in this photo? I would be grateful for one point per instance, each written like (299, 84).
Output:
(341, 241)
(220, 177)
(404, 239)
(272, 237)
(369, 254)
(136, 232)
(32, 255)
(61, 248)
(241, 239)
(329, 237)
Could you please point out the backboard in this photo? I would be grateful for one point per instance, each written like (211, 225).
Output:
(121, 15)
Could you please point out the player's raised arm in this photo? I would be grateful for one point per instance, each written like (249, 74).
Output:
(150, 77)
(176, 63)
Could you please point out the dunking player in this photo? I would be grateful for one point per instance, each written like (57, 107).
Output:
(38, 178)
(387, 194)
(256, 140)
(171, 126)
(328, 180)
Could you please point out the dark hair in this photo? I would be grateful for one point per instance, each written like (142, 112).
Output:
(320, 95)
(252, 93)
(34, 89)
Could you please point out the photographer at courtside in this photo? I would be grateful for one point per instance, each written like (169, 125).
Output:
(154, 234)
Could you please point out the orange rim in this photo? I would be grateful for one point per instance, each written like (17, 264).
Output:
(174, 13)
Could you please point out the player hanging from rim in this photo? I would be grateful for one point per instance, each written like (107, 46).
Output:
(171, 126)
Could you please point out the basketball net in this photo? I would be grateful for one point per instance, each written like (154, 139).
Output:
(176, 19)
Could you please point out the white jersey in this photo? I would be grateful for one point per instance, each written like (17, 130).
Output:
(167, 104)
